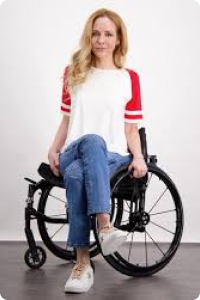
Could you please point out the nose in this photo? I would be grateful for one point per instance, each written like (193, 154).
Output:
(101, 39)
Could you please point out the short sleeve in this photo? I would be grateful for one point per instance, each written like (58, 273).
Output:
(65, 99)
(133, 110)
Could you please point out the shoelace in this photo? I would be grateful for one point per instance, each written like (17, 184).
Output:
(77, 271)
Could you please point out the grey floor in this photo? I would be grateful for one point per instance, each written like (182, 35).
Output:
(180, 279)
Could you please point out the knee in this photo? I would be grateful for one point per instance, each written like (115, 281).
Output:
(94, 140)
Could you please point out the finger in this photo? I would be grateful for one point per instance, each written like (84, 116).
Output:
(130, 167)
(56, 163)
(57, 160)
(138, 174)
(52, 167)
(142, 174)
(56, 172)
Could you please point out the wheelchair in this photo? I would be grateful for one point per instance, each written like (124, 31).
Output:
(148, 208)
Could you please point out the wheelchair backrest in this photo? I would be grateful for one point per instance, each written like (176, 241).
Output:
(143, 142)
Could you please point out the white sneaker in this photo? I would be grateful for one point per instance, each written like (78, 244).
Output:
(81, 279)
(111, 239)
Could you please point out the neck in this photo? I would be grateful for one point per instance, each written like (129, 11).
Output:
(104, 64)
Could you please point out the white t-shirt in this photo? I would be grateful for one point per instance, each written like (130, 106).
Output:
(102, 104)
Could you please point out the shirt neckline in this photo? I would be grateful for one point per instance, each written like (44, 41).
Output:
(106, 70)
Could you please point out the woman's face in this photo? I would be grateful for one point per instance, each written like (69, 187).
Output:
(104, 38)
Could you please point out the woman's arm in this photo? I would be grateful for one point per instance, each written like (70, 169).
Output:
(133, 140)
(61, 135)
(59, 140)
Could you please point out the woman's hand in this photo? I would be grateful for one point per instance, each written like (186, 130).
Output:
(53, 158)
(139, 166)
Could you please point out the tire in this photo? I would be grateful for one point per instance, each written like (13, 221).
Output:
(52, 203)
(122, 187)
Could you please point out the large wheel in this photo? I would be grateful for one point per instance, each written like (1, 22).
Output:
(52, 203)
(154, 234)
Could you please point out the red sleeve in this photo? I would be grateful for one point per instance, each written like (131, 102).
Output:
(65, 99)
(133, 109)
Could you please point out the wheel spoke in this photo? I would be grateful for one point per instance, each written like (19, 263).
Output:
(56, 198)
(163, 212)
(162, 227)
(127, 204)
(132, 230)
(158, 200)
(155, 243)
(146, 247)
(130, 247)
(57, 231)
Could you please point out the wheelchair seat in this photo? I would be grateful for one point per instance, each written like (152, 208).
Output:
(45, 171)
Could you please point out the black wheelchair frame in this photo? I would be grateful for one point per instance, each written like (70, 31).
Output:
(128, 200)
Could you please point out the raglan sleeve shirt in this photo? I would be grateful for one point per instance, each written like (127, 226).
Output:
(102, 105)
(65, 98)
(133, 108)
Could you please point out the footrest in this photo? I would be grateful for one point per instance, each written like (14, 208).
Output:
(45, 171)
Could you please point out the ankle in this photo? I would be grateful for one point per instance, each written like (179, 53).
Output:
(106, 228)
(83, 262)
(82, 265)
(103, 220)
(83, 256)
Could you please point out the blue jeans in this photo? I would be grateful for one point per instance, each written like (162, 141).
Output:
(86, 166)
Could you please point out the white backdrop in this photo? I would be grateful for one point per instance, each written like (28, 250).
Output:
(37, 39)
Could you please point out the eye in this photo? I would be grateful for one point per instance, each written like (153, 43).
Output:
(109, 34)
(94, 33)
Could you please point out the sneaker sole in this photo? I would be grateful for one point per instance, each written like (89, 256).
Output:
(112, 245)
(75, 290)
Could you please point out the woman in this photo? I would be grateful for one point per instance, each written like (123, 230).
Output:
(101, 107)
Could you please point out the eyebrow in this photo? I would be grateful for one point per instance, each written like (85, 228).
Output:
(94, 30)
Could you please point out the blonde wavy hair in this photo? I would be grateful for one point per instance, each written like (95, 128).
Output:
(83, 59)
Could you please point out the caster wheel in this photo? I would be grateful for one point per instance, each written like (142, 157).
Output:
(35, 259)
